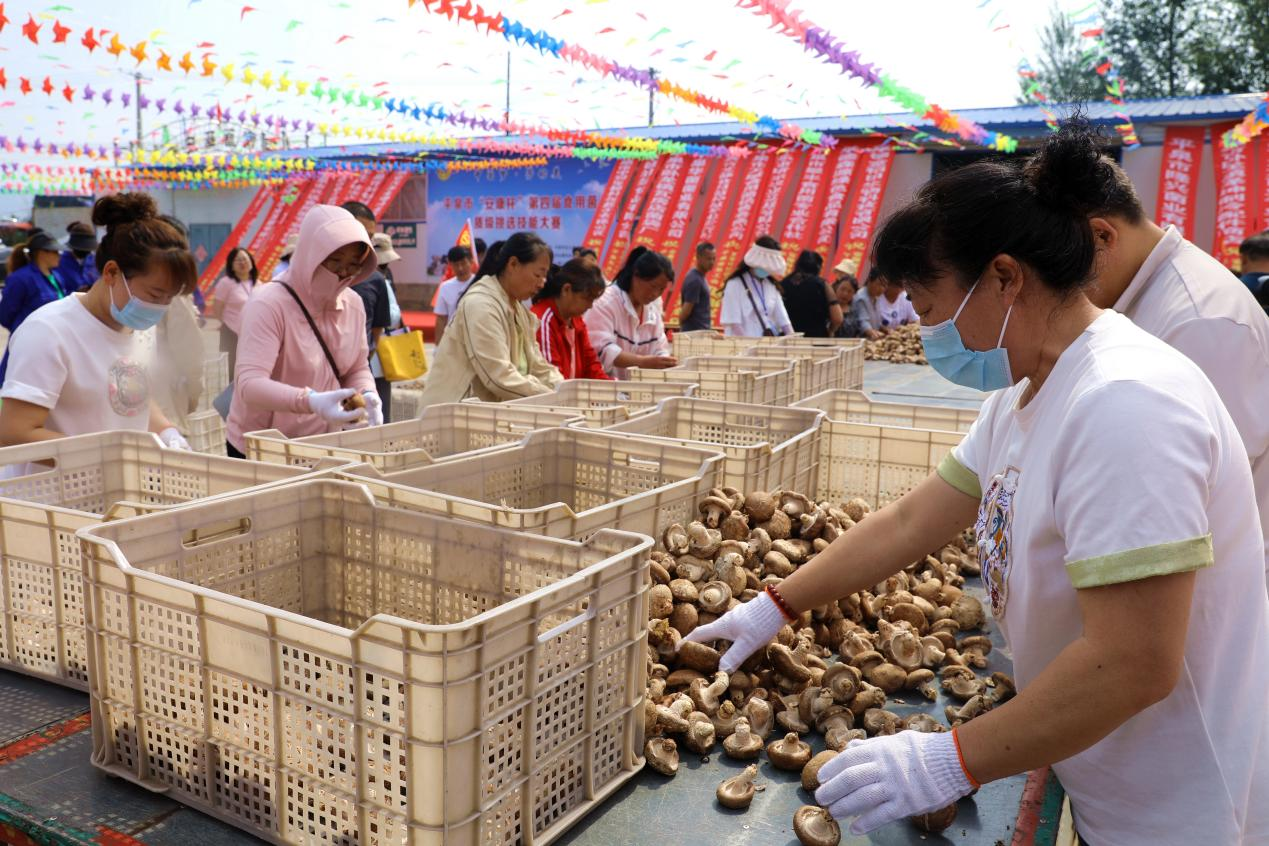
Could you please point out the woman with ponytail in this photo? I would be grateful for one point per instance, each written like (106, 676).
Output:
(489, 351)
(1116, 526)
(81, 363)
(33, 282)
(626, 325)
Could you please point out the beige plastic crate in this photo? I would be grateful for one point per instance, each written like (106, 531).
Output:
(852, 364)
(565, 483)
(767, 447)
(744, 379)
(709, 342)
(318, 669)
(205, 431)
(604, 402)
(820, 368)
(878, 463)
(444, 431)
(41, 507)
(407, 403)
(856, 407)
(215, 379)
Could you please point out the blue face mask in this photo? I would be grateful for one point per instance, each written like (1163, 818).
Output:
(760, 273)
(981, 370)
(136, 314)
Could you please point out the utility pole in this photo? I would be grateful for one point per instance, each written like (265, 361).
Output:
(137, 99)
(652, 95)
(506, 114)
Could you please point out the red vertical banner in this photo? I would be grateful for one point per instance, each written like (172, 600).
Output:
(665, 192)
(1178, 178)
(283, 196)
(606, 211)
(271, 250)
(769, 217)
(217, 262)
(1262, 213)
(799, 226)
(739, 228)
(681, 229)
(836, 190)
(713, 228)
(1235, 206)
(620, 241)
(863, 214)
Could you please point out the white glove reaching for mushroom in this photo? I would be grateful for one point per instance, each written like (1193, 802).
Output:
(749, 626)
(374, 408)
(883, 779)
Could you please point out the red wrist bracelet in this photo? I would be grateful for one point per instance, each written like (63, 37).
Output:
(780, 603)
(956, 739)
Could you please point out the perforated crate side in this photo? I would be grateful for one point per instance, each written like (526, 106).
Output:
(564, 483)
(215, 379)
(766, 446)
(443, 433)
(605, 402)
(856, 407)
(407, 403)
(526, 668)
(878, 463)
(205, 431)
(708, 342)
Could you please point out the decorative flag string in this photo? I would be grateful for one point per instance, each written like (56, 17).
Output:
(1256, 122)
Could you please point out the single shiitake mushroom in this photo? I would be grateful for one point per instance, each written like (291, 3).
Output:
(682, 677)
(662, 754)
(975, 706)
(715, 597)
(1002, 689)
(811, 772)
(879, 722)
(685, 617)
(738, 791)
(713, 509)
(683, 590)
(967, 612)
(842, 680)
(674, 539)
(815, 826)
(776, 564)
(961, 682)
(354, 402)
(974, 650)
(889, 677)
(778, 526)
(660, 601)
(856, 509)
(761, 719)
(839, 739)
(700, 734)
(784, 662)
(735, 526)
(698, 656)
(924, 723)
(707, 697)
(703, 541)
(935, 821)
(789, 752)
(743, 744)
(759, 505)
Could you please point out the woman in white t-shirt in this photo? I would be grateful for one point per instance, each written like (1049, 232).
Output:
(752, 305)
(79, 365)
(1116, 526)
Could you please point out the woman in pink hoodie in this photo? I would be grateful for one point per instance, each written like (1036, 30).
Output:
(302, 352)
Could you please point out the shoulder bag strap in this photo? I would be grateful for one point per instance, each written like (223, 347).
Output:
(761, 317)
(330, 359)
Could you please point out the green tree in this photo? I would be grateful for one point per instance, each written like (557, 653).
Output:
(1061, 71)
(1176, 48)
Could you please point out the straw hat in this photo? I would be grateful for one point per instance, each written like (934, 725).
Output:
(847, 265)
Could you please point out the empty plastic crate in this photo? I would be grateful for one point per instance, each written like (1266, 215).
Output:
(753, 380)
(878, 463)
(41, 508)
(856, 407)
(407, 403)
(709, 342)
(315, 668)
(820, 368)
(444, 431)
(215, 379)
(852, 363)
(205, 431)
(566, 483)
(603, 402)
(767, 447)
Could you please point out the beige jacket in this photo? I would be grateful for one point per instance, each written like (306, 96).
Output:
(488, 351)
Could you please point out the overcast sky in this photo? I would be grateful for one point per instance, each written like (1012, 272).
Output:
(958, 53)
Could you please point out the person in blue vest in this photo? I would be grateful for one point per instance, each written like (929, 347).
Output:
(33, 281)
(78, 268)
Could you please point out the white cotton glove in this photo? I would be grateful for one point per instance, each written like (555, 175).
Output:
(328, 405)
(374, 407)
(749, 626)
(883, 779)
(173, 439)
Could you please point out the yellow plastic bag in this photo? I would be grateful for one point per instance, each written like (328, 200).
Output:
(402, 356)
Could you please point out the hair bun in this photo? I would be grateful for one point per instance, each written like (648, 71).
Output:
(1069, 172)
(124, 208)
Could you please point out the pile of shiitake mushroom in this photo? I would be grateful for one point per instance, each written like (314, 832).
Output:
(831, 672)
(901, 345)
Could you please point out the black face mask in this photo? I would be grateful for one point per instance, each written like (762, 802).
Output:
(80, 254)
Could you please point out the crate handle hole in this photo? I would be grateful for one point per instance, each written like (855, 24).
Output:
(215, 533)
(553, 633)
(22, 469)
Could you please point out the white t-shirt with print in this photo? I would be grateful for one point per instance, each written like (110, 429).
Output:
(1127, 447)
(1185, 297)
(897, 313)
(90, 377)
(447, 297)
(753, 305)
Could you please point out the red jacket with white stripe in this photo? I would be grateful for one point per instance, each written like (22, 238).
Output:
(576, 360)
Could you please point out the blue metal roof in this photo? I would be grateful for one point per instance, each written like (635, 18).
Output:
(1015, 120)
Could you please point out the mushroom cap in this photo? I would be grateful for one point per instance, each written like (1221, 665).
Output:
(738, 791)
(795, 504)
(698, 656)
(889, 677)
(878, 721)
(684, 590)
(787, 664)
(842, 680)
(909, 612)
(961, 682)
(788, 753)
(815, 826)
(674, 539)
(811, 772)
(759, 505)
(935, 821)
(715, 596)
(924, 723)
(662, 754)
(905, 648)
(778, 526)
